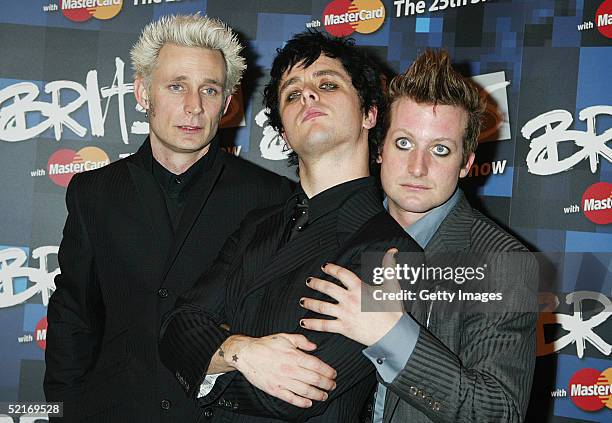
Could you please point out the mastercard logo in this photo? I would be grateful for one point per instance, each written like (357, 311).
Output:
(84, 10)
(40, 333)
(64, 164)
(597, 203)
(603, 18)
(343, 17)
(591, 390)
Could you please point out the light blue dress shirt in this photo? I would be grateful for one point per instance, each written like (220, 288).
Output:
(391, 353)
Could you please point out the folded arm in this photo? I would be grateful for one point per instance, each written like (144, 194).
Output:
(339, 352)
(195, 342)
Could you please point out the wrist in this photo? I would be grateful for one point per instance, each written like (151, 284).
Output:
(385, 327)
(232, 349)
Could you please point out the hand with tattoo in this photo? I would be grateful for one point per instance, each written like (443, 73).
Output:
(278, 365)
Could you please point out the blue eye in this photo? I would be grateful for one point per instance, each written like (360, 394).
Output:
(403, 143)
(210, 91)
(175, 87)
(441, 150)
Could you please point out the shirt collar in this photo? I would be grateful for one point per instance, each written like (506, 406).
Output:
(424, 229)
(175, 184)
(328, 200)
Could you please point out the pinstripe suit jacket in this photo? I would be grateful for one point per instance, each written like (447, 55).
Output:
(264, 284)
(474, 367)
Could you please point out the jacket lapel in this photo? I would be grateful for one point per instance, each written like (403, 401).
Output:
(454, 232)
(198, 197)
(292, 255)
(148, 192)
(452, 235)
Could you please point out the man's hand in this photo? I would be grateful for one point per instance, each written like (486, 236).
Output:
(351, 321)
(278, 365)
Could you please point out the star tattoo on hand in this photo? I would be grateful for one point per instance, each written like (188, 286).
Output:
(234, 358)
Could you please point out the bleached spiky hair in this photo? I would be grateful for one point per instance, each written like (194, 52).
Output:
(189, 31)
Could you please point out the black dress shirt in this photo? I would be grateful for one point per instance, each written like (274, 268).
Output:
(301, 211)
(176, 187)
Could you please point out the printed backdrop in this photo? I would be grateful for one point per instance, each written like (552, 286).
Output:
(543, 168)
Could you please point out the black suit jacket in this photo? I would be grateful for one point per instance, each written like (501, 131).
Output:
(264, 285)
(471, 367)
(123, 268)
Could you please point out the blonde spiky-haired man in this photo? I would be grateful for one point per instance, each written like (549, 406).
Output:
(141, 230)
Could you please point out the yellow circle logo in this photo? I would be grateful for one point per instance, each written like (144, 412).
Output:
(343, 17)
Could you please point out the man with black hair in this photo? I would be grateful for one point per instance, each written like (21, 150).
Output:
(438, 364)
(324, 97)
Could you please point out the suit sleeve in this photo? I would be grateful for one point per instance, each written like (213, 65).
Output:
(339, 352)
(75, 315)
(489, 379)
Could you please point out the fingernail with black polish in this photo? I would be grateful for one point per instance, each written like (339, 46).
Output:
(308, 280)
(302, 302)
(302, 324)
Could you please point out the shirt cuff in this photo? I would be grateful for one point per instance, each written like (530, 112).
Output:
(208, 384)
(391, 353)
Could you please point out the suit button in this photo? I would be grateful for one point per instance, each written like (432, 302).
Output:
(162, 292)
(380, 360)
(208, 412)
(165, 404)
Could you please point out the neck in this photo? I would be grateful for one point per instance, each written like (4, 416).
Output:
(403, 217)
(334, 168)
(176, 162)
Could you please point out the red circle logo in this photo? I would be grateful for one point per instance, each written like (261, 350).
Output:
(343, 17)
(597, 203)
(603, 18)
(84, 10)
(40, 333)
(65, 163)
(590, 389)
